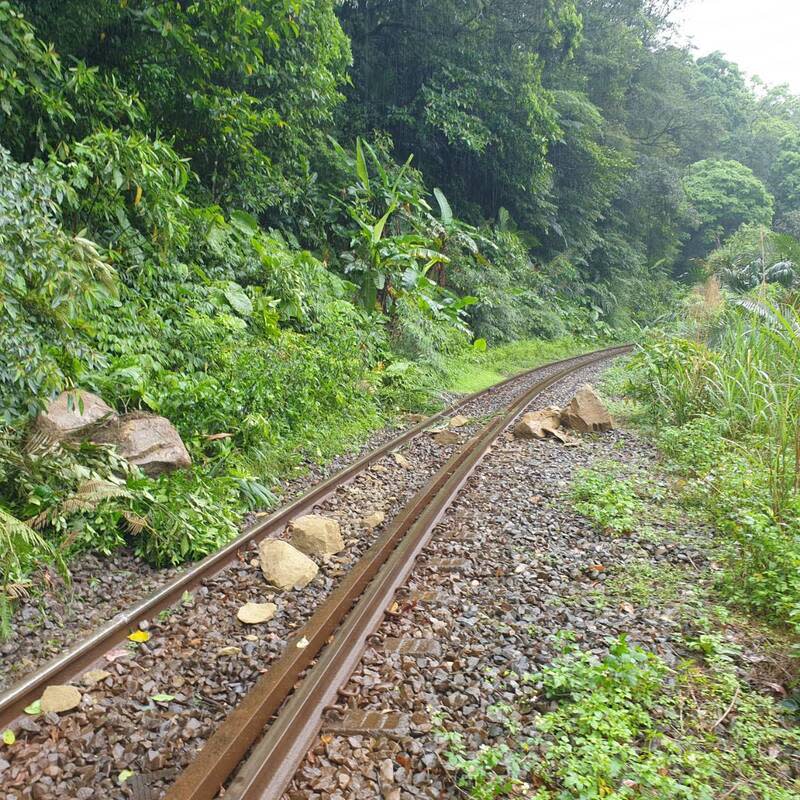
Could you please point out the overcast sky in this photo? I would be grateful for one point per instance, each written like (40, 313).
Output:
(759, 35)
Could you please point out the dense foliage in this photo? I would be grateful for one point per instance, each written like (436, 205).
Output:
(275, 221)
(725, 388)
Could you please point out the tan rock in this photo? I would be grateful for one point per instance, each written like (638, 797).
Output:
(284, 566)
(59, 699)
(72, 414)
(446, 438)
(94, 676)
(150, 442)
(374, 519)
(316, 535)
(536, 424)
(229, 651)
(458, 421)
(586, 412)
(402, 461)
(255, 613)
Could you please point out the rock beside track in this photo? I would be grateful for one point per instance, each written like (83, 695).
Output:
(537, 424)
(73, 413)
(586, 413)
(284, 566)
(316, 535)
(150, 442)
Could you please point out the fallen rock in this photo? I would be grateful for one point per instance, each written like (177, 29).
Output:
(586, 413)
(374, 519)
(255, 613)
(402, 461)
(537, 424)
(73, 413)
(229, 651)
(94, 676)
(566, 439)
(60, 698)
(446, 438)
(284, 566)
(458, 421)
(148, 441)
(316, 535)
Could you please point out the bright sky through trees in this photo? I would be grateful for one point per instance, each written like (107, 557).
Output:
(760, 35)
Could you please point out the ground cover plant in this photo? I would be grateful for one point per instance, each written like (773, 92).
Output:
(625, 725)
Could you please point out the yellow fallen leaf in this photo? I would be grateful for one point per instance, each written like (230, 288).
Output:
(124, 775)
(8, 737)
(139, 636)
(138, 198)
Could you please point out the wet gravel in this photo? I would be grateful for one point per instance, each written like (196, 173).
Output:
(530, 568)
(189, 658)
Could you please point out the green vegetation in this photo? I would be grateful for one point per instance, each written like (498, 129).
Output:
(278, 224)
(729, 414)
(627, 726)
(607, 499)
(476, 368)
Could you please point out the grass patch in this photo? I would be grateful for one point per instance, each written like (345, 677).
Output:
(473, 371)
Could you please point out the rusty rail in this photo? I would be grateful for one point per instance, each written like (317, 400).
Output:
(355, 608)
(69, 665)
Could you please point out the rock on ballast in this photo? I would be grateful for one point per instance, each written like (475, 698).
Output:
(537, 424)
(316, 535)
(284, 566)
(586, 412)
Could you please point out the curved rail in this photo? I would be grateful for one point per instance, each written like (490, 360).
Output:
(69, 664)
(351, 613)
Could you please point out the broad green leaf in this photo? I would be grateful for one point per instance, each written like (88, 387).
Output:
(244, 222)
(8, 737)
(479, 345)
(162, 698)
(444, 206)
(238, 299)
(34, 708)
(377, 230)
(125, 775)
(361, 165)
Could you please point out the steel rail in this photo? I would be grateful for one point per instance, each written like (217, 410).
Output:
(355, 608)
(69, 664)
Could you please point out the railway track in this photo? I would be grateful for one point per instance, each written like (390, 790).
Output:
(339, 630)
(350, 612)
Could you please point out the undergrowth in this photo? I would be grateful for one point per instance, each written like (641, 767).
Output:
(606, 498)
(724, 412)
(627, 726)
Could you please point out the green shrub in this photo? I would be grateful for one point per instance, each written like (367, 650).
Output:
(606, 499)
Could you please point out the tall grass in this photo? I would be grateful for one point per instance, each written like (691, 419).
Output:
(728, 410)
(748, 376)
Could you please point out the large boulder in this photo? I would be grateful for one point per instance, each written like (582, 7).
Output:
(586, 413)
(316, 535)
(148, 441)
(537, 424)
(73, 413)
(284, 566)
